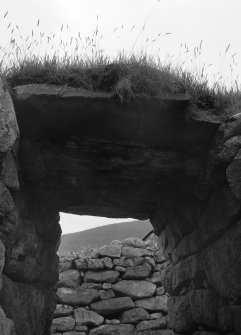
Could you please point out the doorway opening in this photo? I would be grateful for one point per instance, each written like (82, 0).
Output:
(90, 232)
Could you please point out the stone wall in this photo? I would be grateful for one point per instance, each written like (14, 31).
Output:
(29, 235)
(86, 153)
(115, 290)
(201, 236)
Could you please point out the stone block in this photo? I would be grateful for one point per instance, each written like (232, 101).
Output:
(88, 318)
(131, 252)
(62, 324)
(112, 251)
(76, 297)
(113, 329)
(6, 325)
(135, 289)
(63, 310)
(159, 323)
(84, 264)
(106, 294)
(108, 276)
(198, 307)
(134, 315)
(9, 131)
(9, 172)
(154, 304)
(138, 272)
(69, 278)
(112, 306)
(222, 261)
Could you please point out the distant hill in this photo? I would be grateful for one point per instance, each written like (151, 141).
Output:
(96, 237)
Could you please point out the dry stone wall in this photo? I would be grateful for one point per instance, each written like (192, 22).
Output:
(115, 290)
(153, 158)
(29, 235)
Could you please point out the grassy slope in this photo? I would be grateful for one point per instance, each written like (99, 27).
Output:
(99, 236)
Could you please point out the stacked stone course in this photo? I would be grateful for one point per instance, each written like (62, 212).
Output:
(115, 290)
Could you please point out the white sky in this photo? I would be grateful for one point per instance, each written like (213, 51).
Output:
(216, 22)
(72, 223)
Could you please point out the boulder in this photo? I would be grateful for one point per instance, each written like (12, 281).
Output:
(76, 297)
(88, 318)
(63, 310)
(9, 131)
(159, 323)
(9, 172)
(6, 200)
(108, 276)
(135, 289)
(112, 306)
(69, 278)
(6, 325)
(134, 315)
(112, 251)
(62, 324)
(222, 261)
(16, 300)
(198, 307)
(154, 304)
(138, 272)
(131, 252)
(113, 329)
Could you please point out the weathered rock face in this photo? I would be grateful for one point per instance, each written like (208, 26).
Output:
(86, 153)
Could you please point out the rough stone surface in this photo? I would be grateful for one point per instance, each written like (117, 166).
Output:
(9, 172)
(222, 263)
(106, 294)
(2, 261)
(197, 307)
(84, 152)
(8, 124)
(69, 278)
(138, 272)
(113, 329)
(63, 324)
(152, 324)
(89, 264)
(110, 276)
(112, 250)
(134, 315)
(75, 297)
(112, 306)
(6, 325)
(89, 318)
(63, 310)
(15, 300)
(131, 252)
(154, 304)
(135, 288)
